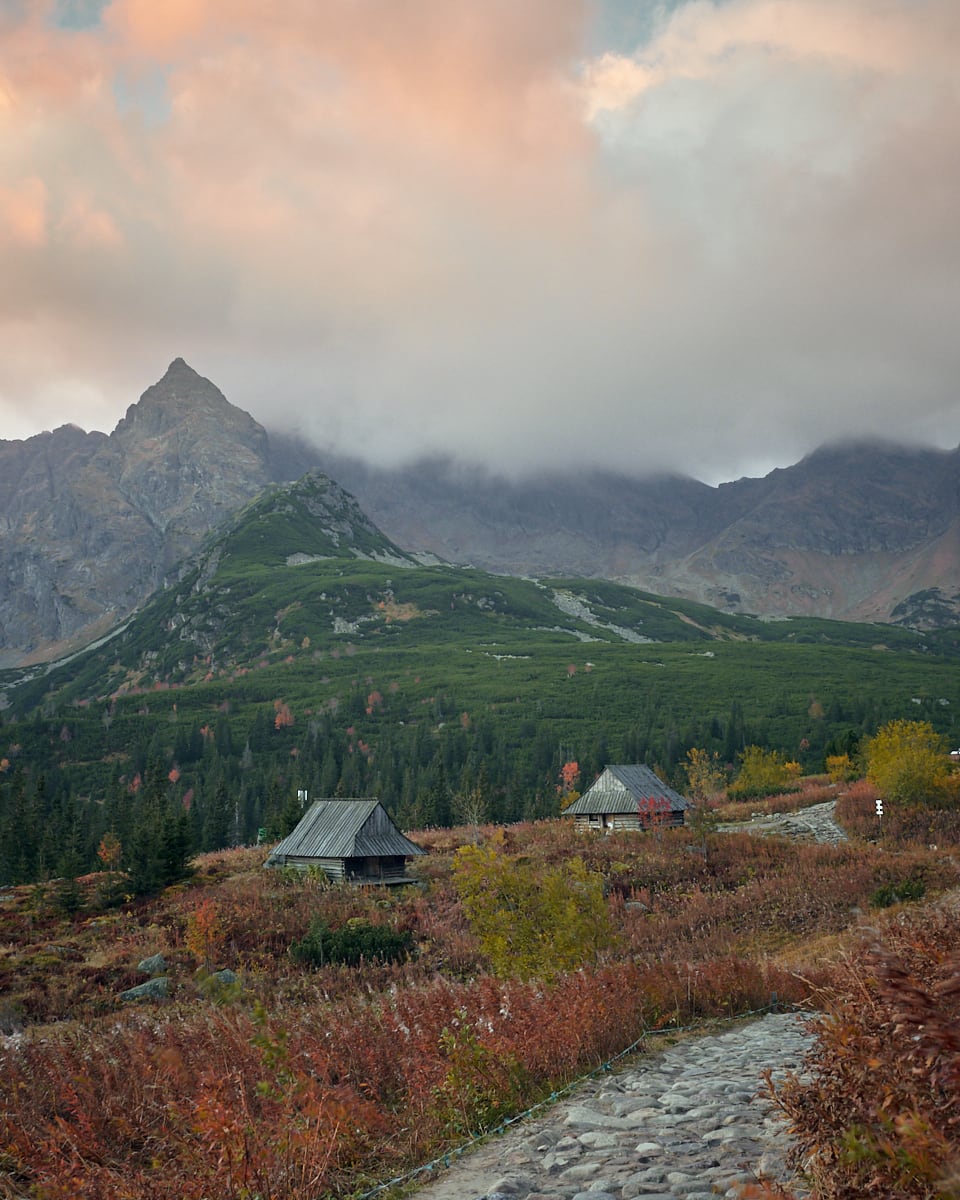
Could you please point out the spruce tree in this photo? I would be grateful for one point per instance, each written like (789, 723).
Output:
(67, 894)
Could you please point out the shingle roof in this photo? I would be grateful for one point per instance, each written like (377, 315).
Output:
(345, 829)
(619, 788)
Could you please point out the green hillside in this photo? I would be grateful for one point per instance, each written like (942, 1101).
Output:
(303, 650)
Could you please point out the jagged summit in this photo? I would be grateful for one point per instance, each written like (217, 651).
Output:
(91, 524)
(179, 368)
(181, 381)
(183, 394)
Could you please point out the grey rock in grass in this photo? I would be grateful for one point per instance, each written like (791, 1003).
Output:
(157, 988)
(155, 964)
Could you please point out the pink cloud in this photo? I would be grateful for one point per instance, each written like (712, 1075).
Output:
(23, 212)
(160, 30)
(89, 226)
(419, 225)
(701, 41)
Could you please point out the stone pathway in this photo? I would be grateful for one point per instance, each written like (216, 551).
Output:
(684, 1123)
(813, 824)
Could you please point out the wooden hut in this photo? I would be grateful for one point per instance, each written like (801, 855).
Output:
(351, 840)
(628, 797)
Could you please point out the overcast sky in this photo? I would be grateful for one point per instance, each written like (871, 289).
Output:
(705, 236)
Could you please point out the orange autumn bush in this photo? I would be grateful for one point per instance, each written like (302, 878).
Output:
(326, 1081)
(930, 824)
(303, 1101)
(879, 1115)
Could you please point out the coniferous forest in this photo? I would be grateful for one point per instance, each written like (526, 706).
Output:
(280, 662)
(172, 772)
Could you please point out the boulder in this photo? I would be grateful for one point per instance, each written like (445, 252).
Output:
(157, 988)
(156, 964)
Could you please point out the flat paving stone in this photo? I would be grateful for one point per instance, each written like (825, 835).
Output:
(683, 1123)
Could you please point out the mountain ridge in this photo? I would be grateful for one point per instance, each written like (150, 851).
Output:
(799, 541)
(92, 524)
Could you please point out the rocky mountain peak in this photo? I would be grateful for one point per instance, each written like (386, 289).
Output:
(183, 397)
(90, 524)
(189, 456)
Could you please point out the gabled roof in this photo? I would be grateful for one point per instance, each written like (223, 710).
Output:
(619, 789)
(345, 829)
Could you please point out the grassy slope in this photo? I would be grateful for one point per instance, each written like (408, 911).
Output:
(489, 639)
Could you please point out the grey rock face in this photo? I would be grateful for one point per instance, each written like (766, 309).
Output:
(157, 988)
(847, 533)
(155, 964)
(90, 524)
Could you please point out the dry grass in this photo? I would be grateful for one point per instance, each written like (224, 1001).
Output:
(404, 1056)
(878, 1112)
(813, 790)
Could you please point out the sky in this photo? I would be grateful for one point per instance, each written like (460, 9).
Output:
(703, 236)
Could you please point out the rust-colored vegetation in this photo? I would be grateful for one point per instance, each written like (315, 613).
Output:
(295, 1082)
(878, 1117)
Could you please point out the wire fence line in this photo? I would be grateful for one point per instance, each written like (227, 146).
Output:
(447, 1158)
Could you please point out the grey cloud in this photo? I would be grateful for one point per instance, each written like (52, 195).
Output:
(750, 253)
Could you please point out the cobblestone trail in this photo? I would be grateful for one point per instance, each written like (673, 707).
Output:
(684, 1123)
(813, 824)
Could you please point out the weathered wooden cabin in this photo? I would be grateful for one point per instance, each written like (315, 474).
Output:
(628, 797)
(350, 840)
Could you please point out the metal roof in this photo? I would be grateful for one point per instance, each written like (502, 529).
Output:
(619, 788)
(345, 829)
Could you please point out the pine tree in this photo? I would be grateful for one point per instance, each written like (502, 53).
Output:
(218, 813)
(175, 842)
(67, 894)
(290, 813)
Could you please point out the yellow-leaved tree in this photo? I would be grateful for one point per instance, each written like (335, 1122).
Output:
(705, 774)
(763, 773)
(841, 768)
(907, 762)
(532, 922)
